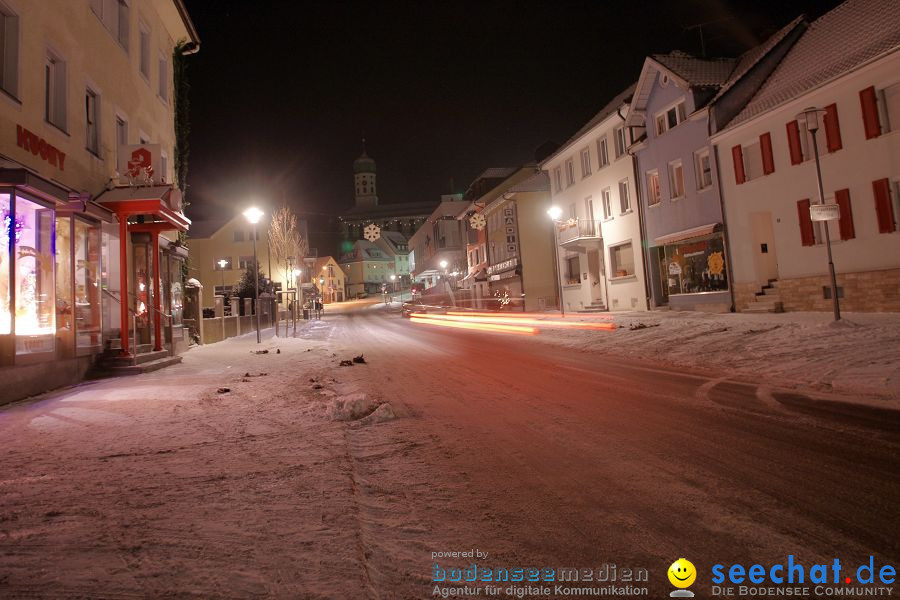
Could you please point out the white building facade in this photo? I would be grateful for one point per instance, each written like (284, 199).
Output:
(847, 64)
(599, 233)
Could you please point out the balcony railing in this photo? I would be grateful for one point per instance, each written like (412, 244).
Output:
(577, 229)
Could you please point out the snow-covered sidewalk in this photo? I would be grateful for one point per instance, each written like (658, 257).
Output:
(859, 355)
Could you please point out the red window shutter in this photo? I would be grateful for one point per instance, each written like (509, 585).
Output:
(832, 128)
(870, 112)
(765, 145)
(884, 209)
(738, 155)
(793, 133)
(842, 197)
(807, 237)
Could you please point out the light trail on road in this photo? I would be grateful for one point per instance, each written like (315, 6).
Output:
(516, 320)
(431, 320)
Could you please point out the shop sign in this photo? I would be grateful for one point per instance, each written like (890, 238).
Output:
(38, 146)
(506, 265)
(138, 161)
(824, 212)
(674, 268)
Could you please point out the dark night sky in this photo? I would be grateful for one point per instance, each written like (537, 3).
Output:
(282, 90)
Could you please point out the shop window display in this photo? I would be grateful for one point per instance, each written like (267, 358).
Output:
(87, 284)
(64, 319)
(695, 266)
(6, 227)
(35, 304)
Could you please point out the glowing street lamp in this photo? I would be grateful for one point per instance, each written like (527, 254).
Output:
(253, 216)
(555, 213)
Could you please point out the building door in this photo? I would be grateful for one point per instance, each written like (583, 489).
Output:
(595, 275)
(765, 259)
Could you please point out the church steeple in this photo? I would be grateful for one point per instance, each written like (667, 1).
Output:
(364, 180)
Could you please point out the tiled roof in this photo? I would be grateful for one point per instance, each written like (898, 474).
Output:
(838, 42)
(698, 72)
(205, 229)
(406, 209)
(497, 173)
(608, 109)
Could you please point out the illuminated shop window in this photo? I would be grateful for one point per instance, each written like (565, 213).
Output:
(35, 293)
(87, 284)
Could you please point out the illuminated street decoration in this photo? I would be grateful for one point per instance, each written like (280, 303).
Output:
(477, 221)
(372, 232)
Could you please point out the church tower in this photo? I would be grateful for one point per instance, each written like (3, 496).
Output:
(364, 180)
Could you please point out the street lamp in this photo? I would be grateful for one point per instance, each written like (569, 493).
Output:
(254, 215)
(555, 213)
(222, 264)
(811, 118)
(394, 284)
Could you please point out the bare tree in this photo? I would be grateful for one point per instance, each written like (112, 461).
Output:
(285, 241)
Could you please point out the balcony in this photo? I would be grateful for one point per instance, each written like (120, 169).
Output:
(579, 234)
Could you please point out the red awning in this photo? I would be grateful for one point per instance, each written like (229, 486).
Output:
(161, 201)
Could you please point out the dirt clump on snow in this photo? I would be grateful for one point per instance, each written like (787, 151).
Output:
(223, 390)
(359, 359)
(359, 407)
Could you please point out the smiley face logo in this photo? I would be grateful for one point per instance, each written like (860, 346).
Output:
(682, 573)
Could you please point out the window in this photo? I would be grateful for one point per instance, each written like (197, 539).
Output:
(238, 236)
(557, 178)
(624, 197)
(753, 163)
(889, 107)
(573, 212)
(115, 17)
(619, 135)
(9, 51)
(621, 260)
(585, 162)
(887, 208)
(144, 51)
(676, 180)
(121, 132)
(245, 262)
(669, 118)
(653, 193)
(570, 172)
(163, 87)
(606, 198)
(702, 170)
(250, 235)
(695, 265)
(218, 263)
(55, 90)
(602, 152)
(163, 167)
(573, 271)
(92, 121)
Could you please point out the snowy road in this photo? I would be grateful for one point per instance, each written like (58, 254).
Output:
(158, 486)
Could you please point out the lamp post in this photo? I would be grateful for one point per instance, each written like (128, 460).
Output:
(394, 285)
(222, 264)
(253, 215)
(555, 213)
(811, 118)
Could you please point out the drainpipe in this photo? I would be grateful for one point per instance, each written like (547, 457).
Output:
(642, 227)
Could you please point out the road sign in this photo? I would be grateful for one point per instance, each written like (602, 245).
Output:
(824, 212)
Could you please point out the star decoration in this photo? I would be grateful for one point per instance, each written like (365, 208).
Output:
(477, 221)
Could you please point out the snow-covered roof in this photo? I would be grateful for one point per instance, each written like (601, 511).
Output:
(608, 109)
(751, 57)
(838, 42)
(697, 72)
(539, 182)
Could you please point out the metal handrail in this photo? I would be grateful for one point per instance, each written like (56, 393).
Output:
(134, 316)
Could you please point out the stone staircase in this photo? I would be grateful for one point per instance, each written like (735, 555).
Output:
(593, 307)
(767, 300)
(110, 364)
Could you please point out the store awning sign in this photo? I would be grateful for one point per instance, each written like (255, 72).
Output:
(38, 146)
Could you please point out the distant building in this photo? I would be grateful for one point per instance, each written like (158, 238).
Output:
(330, 279)
(438, 247)
(404, 218)
(232, 241)
(367, 267)
(396, 245)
